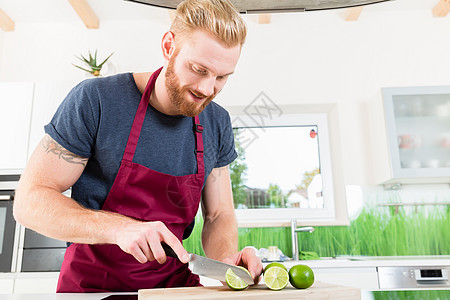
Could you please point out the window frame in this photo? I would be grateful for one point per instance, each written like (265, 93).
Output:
(306, 215)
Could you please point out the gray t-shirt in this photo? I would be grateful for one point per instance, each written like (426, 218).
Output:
(95, 119)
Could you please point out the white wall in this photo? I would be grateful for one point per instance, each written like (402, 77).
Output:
(319, 58)
(46, 51)
(1, 46)
(313, 57)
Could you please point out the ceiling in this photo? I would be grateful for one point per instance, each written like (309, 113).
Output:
(62, 11)
(29, 11)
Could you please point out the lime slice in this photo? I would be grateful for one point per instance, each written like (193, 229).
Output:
(276, 278)
(235, 282)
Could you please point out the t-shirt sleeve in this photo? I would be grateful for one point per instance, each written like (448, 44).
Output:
(73, 126)
(227, 152)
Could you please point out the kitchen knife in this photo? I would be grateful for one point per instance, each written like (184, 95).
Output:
(208, 267)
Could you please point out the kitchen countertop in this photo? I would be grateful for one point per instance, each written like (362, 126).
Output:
(28, 275)
(339, 262)
(65, 296)
(365, 295)
(373, 261)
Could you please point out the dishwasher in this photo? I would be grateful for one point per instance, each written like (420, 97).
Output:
(405, 277)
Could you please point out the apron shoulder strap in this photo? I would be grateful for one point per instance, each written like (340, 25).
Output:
(135, 131)
(198, 130)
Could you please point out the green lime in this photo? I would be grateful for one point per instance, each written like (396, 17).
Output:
(274, 264)
(301, 276)
(235, 282)
(276, 278)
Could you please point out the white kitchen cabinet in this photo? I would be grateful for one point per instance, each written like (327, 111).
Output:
(361, 275)
(6, 286)
(15, 113)
(34, 283)
(410, 135)
(47, 97)
(363, 278)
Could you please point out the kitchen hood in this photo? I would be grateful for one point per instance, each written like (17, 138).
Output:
(271, 6)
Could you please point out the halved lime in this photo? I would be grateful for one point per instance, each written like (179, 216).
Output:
(276, 278)
(274, 264)
(235, 282)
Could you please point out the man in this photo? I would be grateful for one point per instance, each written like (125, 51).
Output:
(138, 151)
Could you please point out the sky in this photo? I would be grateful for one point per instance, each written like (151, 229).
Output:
(279, 155)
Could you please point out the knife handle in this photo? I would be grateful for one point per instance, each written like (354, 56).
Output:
(169, 251)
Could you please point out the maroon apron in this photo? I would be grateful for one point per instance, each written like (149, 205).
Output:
(147, 195)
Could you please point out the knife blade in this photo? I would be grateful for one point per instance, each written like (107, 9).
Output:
(208, 267)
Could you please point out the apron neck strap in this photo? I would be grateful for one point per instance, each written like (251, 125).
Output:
(138, 121)
(135, 131)
(198, 129)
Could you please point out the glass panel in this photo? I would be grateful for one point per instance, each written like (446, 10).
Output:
(277, 167)
(423, 130)
(409, 295)
(2, 226)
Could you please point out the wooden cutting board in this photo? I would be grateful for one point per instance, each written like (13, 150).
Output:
(319, 290)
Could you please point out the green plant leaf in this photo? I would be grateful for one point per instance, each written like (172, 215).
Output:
(92, 62)
(83, 59)
(92, 72)
(91, 59)
(100, 65)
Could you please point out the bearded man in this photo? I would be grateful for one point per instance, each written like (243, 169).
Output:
(140, 152)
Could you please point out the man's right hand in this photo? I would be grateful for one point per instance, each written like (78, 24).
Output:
(143, 241)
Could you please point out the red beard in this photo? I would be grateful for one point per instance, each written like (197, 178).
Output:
(178, 94)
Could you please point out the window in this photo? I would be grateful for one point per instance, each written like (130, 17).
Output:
(283, 170)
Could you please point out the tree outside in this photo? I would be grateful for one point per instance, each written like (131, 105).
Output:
(238, 172)
(276, 197)
(307, 178)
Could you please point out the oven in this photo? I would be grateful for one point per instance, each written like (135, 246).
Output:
(22, 249)
(39, 253)
(9, 231)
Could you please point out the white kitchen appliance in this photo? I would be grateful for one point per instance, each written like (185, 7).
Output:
(8, 232)
(413, 277)
(265, 6)
(21, 249)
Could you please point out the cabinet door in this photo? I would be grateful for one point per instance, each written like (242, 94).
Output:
(47, 97)
(6, 285)
(417, 132)
(363, 278)
(37, 283)
(15, 112)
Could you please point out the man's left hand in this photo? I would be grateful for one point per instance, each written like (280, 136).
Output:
(248, 259)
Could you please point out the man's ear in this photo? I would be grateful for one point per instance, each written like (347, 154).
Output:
(168, 44)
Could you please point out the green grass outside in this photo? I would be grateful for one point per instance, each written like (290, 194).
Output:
(412, 295)
(379, 232)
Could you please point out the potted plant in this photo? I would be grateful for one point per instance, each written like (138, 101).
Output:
(94, 68)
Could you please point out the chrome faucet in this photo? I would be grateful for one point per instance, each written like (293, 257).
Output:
(294, 237)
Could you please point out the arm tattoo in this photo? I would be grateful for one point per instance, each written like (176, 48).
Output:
(51, 146)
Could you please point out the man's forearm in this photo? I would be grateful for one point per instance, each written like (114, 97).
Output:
(50, 213)
(40, 205)
(220, 236)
